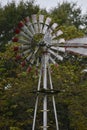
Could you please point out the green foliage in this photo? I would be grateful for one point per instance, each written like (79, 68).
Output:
(11, 14)
(71, 32)
(14, 128)
(67, 14)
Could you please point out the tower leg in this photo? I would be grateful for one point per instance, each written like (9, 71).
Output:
(36, 104)
(45, 113)
(53, 100)
(55, 113)
(35, 112)
(45, 60)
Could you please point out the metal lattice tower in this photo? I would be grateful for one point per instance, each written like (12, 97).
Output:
(41, 45)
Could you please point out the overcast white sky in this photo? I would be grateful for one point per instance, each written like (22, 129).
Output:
(48, 4)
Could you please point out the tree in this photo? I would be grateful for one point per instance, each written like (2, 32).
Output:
(11, 14)
(67, 14)
(15, 98)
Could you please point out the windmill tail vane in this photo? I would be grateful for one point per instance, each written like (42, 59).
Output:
(40, 45)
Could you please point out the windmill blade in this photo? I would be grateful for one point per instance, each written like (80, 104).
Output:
(36, 50)
(32, 55)
(58, 33)
(79, 50)
(29, 68)
(19, 56)
(77, 46)
(24, 47)
(52, 60)
(45, 29)
(47, 38)
(48, 21)
(26, 52)
(56, 55)
(46, 25)
(57, 42)
(21, 33)
(22, 26)
(29, 25)
(77, 42)
(53, 27)
(61, 40)
(41, 18)
(85, 70)
(37, 62)
(41, 22)
(35, 23)
(22, 41)
(61, 49)
(29, 57)
(33, 58)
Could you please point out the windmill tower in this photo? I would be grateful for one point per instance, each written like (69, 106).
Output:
(41, 45)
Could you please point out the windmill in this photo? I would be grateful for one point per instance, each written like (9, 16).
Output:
(40, 45)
